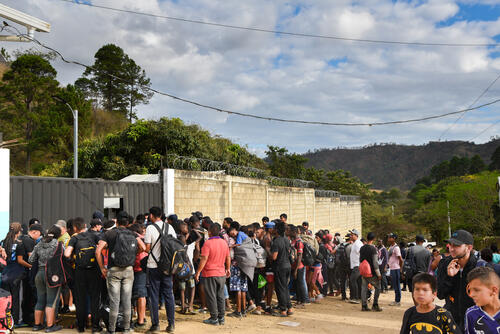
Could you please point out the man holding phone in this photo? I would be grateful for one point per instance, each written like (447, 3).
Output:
(452, 275)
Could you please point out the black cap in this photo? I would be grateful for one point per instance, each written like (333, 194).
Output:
(392, 235)
(36, 227)
(197, 214)
(461, 237)
(419, 238)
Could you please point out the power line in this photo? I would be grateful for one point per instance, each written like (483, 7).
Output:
(484, 130)
(281, 32)
(470, 106)
(230, 112)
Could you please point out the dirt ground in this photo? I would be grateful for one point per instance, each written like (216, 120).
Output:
(332, 315)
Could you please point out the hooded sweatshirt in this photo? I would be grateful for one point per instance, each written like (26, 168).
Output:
(42, 252)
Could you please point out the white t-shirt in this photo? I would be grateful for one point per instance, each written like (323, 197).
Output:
(151, 236)
(356, 246)
(190, 252)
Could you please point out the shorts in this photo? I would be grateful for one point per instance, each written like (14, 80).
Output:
(238, 280)
(270, 277)
(139, 289)
(190, 284)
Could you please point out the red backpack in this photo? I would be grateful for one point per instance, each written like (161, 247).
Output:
(6, 320)
(364, 269)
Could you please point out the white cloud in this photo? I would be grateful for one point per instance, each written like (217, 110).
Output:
(289, 77)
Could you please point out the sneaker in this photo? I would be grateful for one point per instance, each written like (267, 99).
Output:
(64, 310)
(211, 321)
(21, 325)
(235, 314)
(354, 301)
(395, 304)
(203, 310)
(37, 328)
(153, 329)
(53, 328)
(251, 307)
(222, 321)
(138, 325)
(319, 297)
(170, 328)
(365, 308)
(376, 308)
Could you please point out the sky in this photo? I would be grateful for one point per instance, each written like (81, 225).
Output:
(297, 77)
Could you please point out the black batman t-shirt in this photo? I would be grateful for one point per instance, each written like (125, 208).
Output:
(437, 321)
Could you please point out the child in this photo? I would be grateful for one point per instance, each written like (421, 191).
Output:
(426, 317)
(193, 254)
(483, 288)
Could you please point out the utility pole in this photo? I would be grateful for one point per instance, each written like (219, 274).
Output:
(75, 135)
(449, 224)
(392, 208)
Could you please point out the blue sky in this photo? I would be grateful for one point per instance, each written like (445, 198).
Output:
(297, 77)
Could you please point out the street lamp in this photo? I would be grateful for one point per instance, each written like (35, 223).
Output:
(75, 134)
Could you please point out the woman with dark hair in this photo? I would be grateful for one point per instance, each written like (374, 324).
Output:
(47, 297)
(14, 273)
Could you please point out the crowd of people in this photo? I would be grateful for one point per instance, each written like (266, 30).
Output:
(115, 270)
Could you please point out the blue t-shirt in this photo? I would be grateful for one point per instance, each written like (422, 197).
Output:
(496, 258)
(477, 321)
(241, 237)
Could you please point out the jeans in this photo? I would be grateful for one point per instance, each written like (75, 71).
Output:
(15, 290)
(343, 274)
(214, 291)
(160, 286)
(120, 281)
(87, 284)
(333, 283)
(46, 297)
(281, 279)
(396, 284)
(364, 289)
(355, 284)
(300, 285)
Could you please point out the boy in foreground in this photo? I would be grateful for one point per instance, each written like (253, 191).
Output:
(426, 317)
(483, 288)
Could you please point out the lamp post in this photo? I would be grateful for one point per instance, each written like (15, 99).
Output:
(75, 135)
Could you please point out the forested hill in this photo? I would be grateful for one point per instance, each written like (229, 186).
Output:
(387, 166)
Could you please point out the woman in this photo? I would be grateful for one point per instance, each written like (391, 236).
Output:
(46, 297)
(14, 273)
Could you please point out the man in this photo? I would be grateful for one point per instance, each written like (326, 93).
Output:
(267, 243)
(24, 248)
(119, 278)
(452, 275)
(421, 258)
(64, 238)
(299, 273)
(96, 226)
(342, 264)
(355, 279)
(265, 220)
(305, 225)
(369, 253)
(215, 266)
(283, 218)
(159, 284)
(87, 276)
(395, 264)
(383, 257)
(280, 252)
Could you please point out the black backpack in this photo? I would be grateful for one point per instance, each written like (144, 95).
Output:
(173, 256)
(341, 258)
(58, 271)
(125, 250)
(409, 265)
(308, 255)
(85, 251)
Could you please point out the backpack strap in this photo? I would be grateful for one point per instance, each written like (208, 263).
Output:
(160, 231)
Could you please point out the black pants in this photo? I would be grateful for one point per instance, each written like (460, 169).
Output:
(87, 283)
(355, 283)
(214, 291)
(343, 274)
(253, 288)
(29, 301)
(333, 283)
(300, 285)
(15, 288)
(281, 280)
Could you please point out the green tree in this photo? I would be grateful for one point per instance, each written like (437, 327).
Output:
(116, 80)
(26, 95)
(476, 165)
(495, 160)
(285, 165)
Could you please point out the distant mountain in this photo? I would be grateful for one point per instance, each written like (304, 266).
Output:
(388, 166)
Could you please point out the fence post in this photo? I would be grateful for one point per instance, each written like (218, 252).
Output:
(230, 195)
(169, 190)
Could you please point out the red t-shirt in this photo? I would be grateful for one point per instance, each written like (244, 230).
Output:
(216, 250)
(299, 246)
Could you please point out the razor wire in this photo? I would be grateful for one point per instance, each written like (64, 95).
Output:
(349, 198)
(326, 193)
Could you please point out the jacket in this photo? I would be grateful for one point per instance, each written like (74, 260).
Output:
(42, 252)
(454, 289)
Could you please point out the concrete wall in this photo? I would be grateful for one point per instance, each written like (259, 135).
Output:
(247, 200)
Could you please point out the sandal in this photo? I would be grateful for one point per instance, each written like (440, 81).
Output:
(279, 314)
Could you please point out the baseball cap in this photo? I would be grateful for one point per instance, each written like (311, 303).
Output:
(98, 215)
(461, 237)
(270, 225)
(419, 238)
(61, 223)
(197, 214)
(36, 227)
(392, 235)
(354, 231)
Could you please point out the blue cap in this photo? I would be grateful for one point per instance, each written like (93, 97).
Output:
(270, 225)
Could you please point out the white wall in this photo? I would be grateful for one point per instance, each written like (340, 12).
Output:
(4, 191)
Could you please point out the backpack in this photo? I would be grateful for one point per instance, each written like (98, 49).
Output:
(292, 253)
(125, 249)
(85, 252)
(308, 255)
(261, 255)
(173, 256)
(6, 319)
(330, 261)
(104, 315)
(364, 269)
(409, 265)
(58, 271)
(341, 258)
(311, 241)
